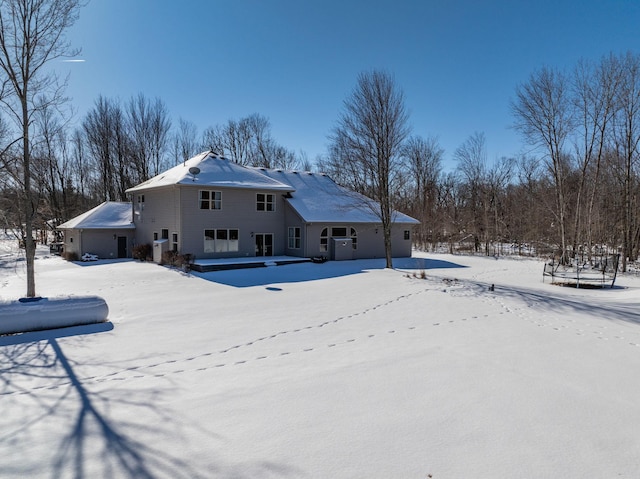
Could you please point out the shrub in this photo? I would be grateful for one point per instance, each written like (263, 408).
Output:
(142, 252)
(173, 258)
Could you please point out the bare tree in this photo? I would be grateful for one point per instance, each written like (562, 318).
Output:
(368, 140)
(100, 125)
(424, 161)
(627, 147)
(31, 36)
(544, 116)
(595, 88)
(148, 128)
(185, 141)
(472, 165)
(213, 140)
(248, 141)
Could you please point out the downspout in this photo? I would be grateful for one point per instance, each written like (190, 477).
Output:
(177, 221)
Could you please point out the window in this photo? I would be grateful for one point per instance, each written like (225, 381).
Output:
(407, 234)
(210, 200)
(140, 206)
(294, 237)
(165, 234)
(339, 232)
(155, 236)
(174, 242)
(324, 240)
(354, 238)
(265, 202)
(221, 240)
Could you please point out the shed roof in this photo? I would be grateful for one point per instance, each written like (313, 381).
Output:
(210, 170)
(108, 215)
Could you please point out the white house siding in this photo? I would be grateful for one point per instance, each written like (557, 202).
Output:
(160, 211)
(100, 242)
(293, 220)
(72, 242)
(104, 243)
(239, 212)
(401, 247)
(370, 241)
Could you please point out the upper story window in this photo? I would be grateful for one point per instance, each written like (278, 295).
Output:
(265, 202)
(140, 206)
(210, 200)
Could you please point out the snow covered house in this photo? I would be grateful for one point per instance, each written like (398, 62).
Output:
(211, 207)
(106, 231)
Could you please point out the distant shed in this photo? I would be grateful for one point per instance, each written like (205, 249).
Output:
(106, 231)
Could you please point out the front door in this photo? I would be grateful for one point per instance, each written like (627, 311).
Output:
(264, 244)
(122, 247)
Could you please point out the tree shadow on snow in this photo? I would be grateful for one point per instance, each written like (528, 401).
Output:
(52, 402)
(70, 331)
(301, 272)
(595, 305)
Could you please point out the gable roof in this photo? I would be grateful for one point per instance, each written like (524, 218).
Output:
(108, 215)
(212, 171)
(318, 199)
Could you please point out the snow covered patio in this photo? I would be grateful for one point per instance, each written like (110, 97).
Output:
(220, 264)
(333, 370)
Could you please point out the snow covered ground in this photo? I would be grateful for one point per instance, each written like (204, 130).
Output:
(334, 370)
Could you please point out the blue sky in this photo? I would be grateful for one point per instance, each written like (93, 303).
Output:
(457, 62)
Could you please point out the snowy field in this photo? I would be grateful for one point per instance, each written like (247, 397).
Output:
(334, 370)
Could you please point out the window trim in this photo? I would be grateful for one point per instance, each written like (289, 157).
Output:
(324, 240)
(269, 200)
(230, 244)
(294, 237)
(140, 203)
(213, 200)
(174, 242)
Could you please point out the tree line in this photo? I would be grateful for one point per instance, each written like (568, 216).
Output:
(574, 195)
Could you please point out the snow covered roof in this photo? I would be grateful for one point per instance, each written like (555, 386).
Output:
(315, 196)
(318, 199)
(108, 215)
(209, 169)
